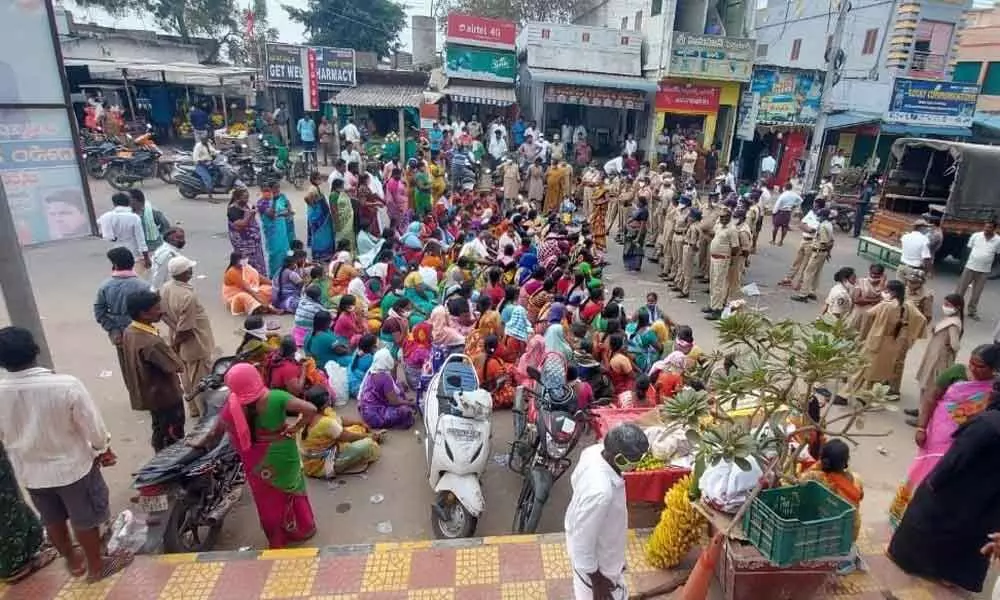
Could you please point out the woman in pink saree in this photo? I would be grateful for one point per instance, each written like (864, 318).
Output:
(961, 392)
(255, 418)
(533, 355)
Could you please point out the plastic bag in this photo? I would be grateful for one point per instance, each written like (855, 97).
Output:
(726, 487)
(338, 382)
(667, 442)
(128, 534)
(429, 276)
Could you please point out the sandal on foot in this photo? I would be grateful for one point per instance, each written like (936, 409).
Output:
(112, 565)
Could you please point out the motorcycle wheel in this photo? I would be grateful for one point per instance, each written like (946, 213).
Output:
(115, 179)
(93, 167)
(846, 225)
(183, 532)
(297, 175)
(187, 192)
(165, 171)
(528, 512)
(460, 522)
(247, 176)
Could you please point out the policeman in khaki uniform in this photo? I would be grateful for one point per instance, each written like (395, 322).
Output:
(820, 253)
(665, 241)
(754, 219)
(722, 249)
(692, 235)
(794, 276)
(677, 241)
(739, 265)
(709, 217)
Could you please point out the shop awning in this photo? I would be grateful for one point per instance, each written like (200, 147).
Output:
(175, 72)
(850, 118)
(621, 82)
(474, 94)
(379, 95)
(925, 130)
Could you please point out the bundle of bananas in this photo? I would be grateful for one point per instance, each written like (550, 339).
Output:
(650, 463)
(678, 530)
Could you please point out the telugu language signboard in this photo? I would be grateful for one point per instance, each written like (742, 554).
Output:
(712, 57)
(683, 97)
(334, 67)
(592, 96)
(924, 102)
(480, 31)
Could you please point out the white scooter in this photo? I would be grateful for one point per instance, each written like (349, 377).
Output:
(457, 445)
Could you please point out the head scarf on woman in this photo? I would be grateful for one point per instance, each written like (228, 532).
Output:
(661, 330)
(417, 346)
(532, 357)
(517, 326)
(555, 341)
(442, 332)
(246, 386)
(556, 312)
(343, 258)
(357, 289)
(382, 362)
(675, 361)
(411, 239)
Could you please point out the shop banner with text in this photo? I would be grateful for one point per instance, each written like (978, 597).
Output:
(682, 97)
(712, 57)
(786, 97)
(924, 102)
(592, 96)
(480, 31)
(482, 64)
(335, 67)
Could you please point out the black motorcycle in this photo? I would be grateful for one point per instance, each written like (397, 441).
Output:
(843, 216)
(547, 427)
(187, 492)
(224, 178)
(97, 156)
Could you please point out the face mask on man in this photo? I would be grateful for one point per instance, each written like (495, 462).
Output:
(949, 311)
(886, 296)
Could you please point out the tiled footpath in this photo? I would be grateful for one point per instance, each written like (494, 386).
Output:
(507, 568)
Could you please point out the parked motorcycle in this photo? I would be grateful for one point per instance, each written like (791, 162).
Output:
(190, 185)
(96, 157)
(143, 161)
(843, 216)
(187, 492)
(457, 424)
(547, 426)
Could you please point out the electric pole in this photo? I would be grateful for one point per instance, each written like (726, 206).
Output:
(834, 62)
(15, 283)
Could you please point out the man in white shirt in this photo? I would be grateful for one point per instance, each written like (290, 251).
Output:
(837, 163)
(123, 227)
(350, 132)
(350, 155)
(532, 130)
(787, 201)
(614, 166)
(497, 147)
(983, 248)
(57, 442)
(768, 166)
(826, 189)
(203, 154)
(339, 170)
(566, 135)
(596, 521)
(173, 242)
(915, 251)
(543, 148)
(765, 196)
(630, 144)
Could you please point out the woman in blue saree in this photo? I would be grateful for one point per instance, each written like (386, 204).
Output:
(319, 232)
(275, 212)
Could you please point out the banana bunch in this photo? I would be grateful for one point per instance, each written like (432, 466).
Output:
(678, 530)
(650, 463)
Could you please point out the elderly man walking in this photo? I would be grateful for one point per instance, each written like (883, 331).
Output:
(190, 329)
(597, 517)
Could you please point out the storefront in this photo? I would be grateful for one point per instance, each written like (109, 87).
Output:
(701, 97)
(480, 65)
(610, 100)
(778, 117)
(306, 77)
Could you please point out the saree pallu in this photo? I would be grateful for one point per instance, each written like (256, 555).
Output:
(961, 401)
(319, 230)
(498, 380)
(536, 303)
(248, 242)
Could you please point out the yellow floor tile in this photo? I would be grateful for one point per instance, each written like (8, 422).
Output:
(432, 594)
(477, 566)
(287, 553)
(555, 562)
(290, 578)
(387, 571)
(497, 540)
(524, 590)
(192, 581)
(336, 597)
(79, 589)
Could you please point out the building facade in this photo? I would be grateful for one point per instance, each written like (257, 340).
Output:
(699, 55)
(978, 56)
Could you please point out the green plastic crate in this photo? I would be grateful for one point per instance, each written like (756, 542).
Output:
(791, 524)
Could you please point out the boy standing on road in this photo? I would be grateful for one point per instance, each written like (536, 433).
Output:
(150, 370)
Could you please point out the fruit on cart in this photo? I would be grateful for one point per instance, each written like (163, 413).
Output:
(650, 463)
(679, 528)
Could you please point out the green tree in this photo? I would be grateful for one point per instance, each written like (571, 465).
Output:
(365, 25)
(189, 19)
(519, 11)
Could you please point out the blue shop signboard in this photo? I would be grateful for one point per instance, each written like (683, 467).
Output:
(924, 102)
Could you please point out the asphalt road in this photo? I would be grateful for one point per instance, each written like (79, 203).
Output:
(65, 277)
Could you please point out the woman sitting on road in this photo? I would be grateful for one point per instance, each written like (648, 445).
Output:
(244, 291)
(496, 374)
(380, 400)
(360, 363)
(332, 445)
